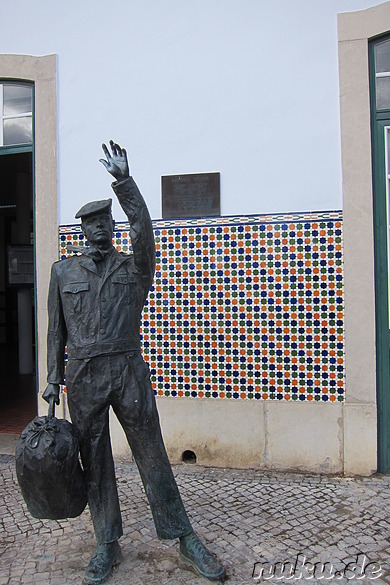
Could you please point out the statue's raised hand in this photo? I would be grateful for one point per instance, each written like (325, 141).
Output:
(116, 163)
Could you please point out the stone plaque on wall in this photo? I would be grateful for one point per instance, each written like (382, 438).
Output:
(195, 195)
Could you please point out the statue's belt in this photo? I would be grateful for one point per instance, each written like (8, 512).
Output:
(103, 349)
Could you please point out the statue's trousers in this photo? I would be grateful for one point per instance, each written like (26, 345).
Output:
(122, 381)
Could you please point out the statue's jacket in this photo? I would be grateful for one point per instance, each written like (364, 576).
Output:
(95, 315)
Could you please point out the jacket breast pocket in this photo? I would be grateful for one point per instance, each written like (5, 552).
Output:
(73, 295)
(122, 289)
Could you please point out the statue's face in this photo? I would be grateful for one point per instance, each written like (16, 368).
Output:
(98, 228)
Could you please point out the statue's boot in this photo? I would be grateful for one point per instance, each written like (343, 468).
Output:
(102, 561)
(194, 552)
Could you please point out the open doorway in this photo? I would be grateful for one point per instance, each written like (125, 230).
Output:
(39, 73)
(18, 384)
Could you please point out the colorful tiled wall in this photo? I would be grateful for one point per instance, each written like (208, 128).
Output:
(247, 307)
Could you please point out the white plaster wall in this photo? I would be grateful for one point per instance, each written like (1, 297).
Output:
(246, 88)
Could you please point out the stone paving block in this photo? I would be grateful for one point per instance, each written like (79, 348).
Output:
(245, 516)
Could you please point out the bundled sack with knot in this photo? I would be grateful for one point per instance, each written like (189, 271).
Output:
(48, 468)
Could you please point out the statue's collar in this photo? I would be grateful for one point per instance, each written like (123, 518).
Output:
(91, 252)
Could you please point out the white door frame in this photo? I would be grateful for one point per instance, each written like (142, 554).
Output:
(42, 71)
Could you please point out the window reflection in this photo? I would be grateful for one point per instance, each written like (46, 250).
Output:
(383, 93)
(16, 104)
(17, 131)
(17, 99)
(382, 57)
(382, 74)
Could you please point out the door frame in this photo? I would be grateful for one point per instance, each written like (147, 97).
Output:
(360, 417)
(42, 72)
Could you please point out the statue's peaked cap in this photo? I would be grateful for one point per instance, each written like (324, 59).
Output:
(94, 207)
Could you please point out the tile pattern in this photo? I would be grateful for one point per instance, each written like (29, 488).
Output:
(244, 307)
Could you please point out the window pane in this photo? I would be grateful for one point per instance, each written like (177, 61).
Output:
(17, 99)
(387, 145)
(18, 131)
(387, 171)
(382, 57)
(383, 93)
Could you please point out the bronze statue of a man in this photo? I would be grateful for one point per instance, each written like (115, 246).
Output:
(95, 304)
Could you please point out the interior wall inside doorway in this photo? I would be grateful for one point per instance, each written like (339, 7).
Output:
(18, 402)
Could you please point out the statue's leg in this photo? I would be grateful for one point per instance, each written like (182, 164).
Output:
(135, 407)
(88, 387)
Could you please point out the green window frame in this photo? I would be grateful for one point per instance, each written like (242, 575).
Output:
(16, 116)
(379, 67)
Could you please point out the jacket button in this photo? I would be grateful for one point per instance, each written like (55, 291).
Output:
(88, 352)
(102, 331)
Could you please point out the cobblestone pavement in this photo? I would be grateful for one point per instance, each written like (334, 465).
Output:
(246, 517)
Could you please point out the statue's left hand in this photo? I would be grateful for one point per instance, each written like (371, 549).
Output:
(116, 163)
(52, 391)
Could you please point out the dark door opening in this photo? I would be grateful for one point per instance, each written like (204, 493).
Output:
(18, 387)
